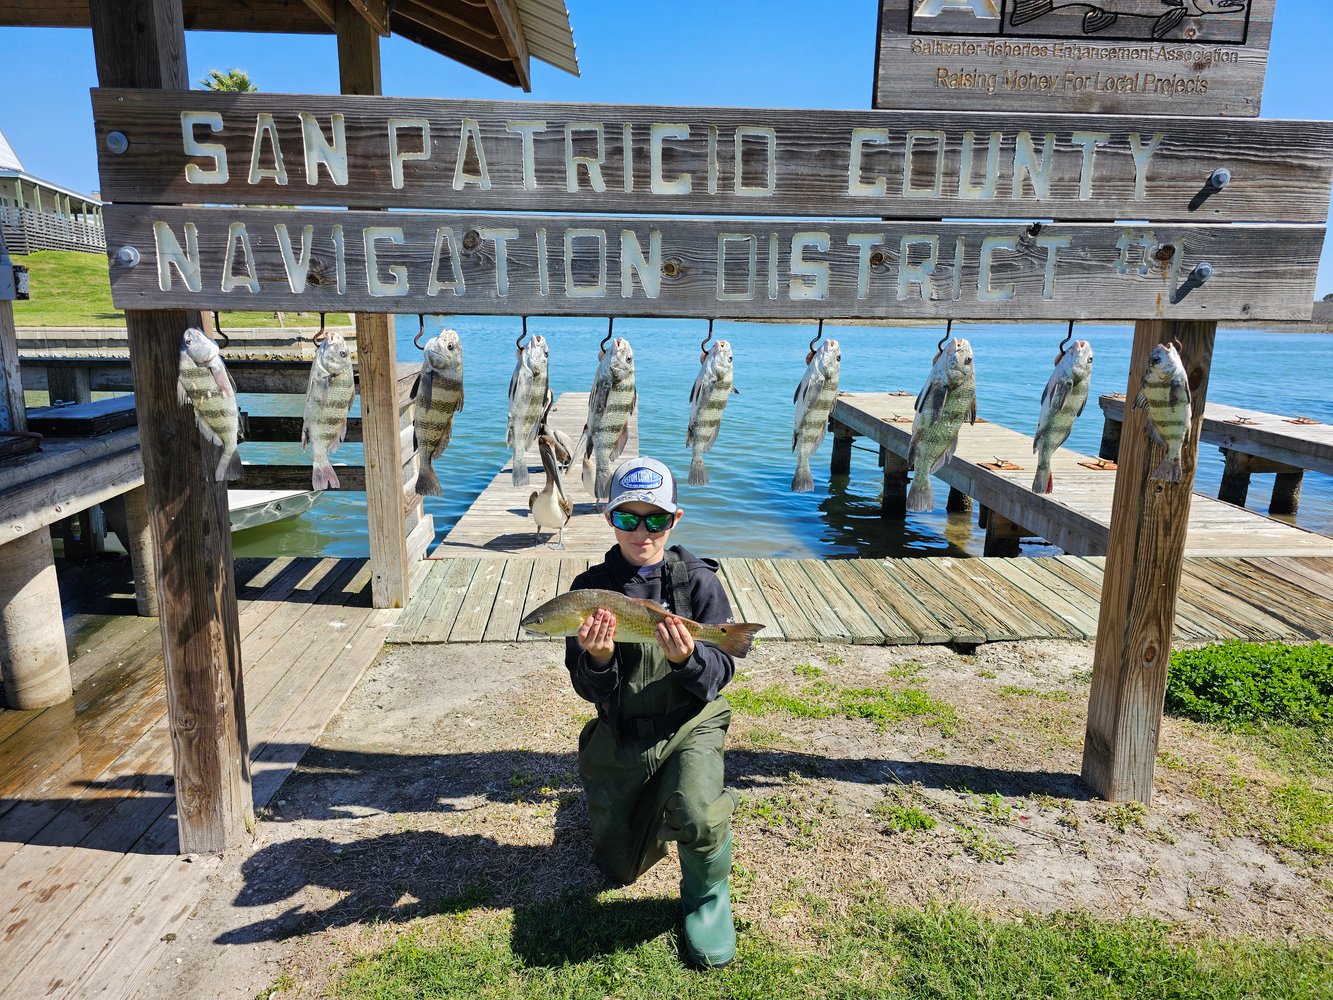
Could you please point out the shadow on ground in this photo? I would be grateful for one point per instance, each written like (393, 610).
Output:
(404, 874)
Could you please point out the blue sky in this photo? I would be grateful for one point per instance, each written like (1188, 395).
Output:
(776, 53)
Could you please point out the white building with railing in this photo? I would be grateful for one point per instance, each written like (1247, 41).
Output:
(38, 214)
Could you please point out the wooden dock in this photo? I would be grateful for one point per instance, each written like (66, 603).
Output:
(498, 522)
(902, 601)
(1252, 442)
(89, 863)
(995, 466)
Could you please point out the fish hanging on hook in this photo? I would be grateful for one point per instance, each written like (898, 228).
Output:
(1165, 394)
(527, 395)
(708, 398)
(438, 394)
(1062, 403)
(814, 399)
(202, 380)
(328, 397)
(948, 398)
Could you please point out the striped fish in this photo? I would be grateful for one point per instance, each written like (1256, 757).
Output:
(527, 395)
(947, 399)
(610, 404)
(1062, 402)
(1165, 394)
(712, 389)
(204, 382)
(328, 397)
(814, 400)
(438, 393)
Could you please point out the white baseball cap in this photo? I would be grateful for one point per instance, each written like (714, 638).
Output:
(645, 480)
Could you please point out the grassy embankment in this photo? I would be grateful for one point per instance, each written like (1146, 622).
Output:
(1270, 702)
(73, 289)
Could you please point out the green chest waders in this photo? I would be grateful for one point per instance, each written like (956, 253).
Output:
(651, 764)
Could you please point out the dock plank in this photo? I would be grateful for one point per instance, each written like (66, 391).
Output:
(796, 624)
(813, 600)
(917, 614)
(921, 582)
(875, 604)
(1011, 599)
(439, 620)
(475, 610)
(860, 625)
(1058, 598)
(1307, 619)
(541, 588)
(751, 605)
(511, 590)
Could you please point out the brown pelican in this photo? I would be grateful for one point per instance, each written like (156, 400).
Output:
(564, 447)
(551, 507)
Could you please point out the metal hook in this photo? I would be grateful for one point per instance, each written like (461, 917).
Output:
(810, 348)
(217, 326)
(421, 332)
(1060, 351)
(703, 344)
(948, 332)
(321, 334)
(518, 343)
(610, 328)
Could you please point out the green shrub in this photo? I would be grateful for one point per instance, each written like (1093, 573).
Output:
(1241, 683)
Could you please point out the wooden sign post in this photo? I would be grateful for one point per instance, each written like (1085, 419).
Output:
(141, 43)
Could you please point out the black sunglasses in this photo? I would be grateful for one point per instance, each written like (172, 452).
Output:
(655, 523)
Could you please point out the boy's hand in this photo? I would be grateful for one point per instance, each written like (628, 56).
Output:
(675, 639)
(597, 637)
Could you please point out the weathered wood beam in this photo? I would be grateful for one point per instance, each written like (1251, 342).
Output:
(444, 42)
(841, 462)
(323, 9)
(510, 25)
(1142, 580)
(34, 661)
(374, 12)
(141, 43)
(359, 73)
(198, 15)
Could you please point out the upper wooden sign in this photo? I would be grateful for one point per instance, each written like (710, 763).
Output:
(1137, 57)
(162, 147)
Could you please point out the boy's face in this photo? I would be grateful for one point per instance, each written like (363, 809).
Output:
(642, 547)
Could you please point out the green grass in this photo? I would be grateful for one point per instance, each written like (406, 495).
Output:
(74, 289)
(821, 700)
(599, 946)
(1243, 683)
(902, 819)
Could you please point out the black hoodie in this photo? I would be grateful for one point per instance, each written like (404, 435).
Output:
(705, 673)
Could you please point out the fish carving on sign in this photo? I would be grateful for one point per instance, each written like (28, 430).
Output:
(1163, 17)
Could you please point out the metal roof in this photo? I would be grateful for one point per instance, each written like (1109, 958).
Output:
(549, 34)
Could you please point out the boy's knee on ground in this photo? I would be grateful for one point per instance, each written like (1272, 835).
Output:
(695, 824)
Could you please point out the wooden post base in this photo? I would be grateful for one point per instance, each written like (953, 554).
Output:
(33, 657)
(1235, 486)
(1003, 536)
(1286, 492)
(958, 501)
(143, 557)
(1141, 580)
(1110, 446)
(841, 463)
(893, 505)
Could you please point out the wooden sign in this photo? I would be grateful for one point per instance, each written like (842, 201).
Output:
(1135, 57)
(399, 262)
(159, 147)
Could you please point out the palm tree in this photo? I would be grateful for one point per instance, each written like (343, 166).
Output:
(236, 81)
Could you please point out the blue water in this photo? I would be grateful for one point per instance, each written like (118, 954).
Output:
(747, 509)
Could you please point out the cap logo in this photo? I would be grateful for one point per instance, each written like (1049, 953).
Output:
(641, 479)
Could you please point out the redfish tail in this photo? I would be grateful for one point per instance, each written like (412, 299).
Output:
(737, 638)
(1043, 481)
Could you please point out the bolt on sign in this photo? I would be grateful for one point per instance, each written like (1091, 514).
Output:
(869, 190)
(1139, 57)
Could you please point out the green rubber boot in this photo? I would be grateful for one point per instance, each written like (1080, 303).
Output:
(705, 896)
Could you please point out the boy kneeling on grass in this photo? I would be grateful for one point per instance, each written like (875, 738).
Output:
(651, 762)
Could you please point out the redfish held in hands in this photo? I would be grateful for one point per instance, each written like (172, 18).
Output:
(636, 620)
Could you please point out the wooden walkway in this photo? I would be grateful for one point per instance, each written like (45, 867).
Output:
(995, 466)
(498, 523)
(902, 601)
(88, 852)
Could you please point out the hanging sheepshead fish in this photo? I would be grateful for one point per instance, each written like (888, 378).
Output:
(527, 394)
(1165, 394)
(204, 382)
(1062, 402)
(610, 405)
(328, 397)
(947, 399)
(712, 389)
(438, 394)
(814, 400)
